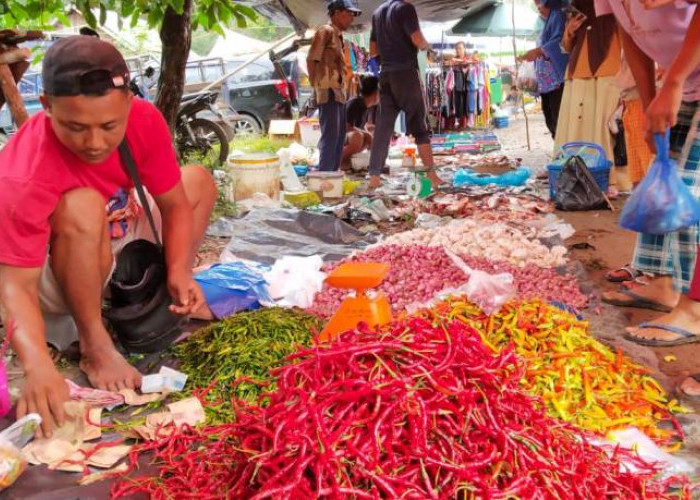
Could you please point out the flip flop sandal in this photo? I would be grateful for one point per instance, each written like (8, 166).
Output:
(637, 302)
(685, 337)
(632, 274)
(683, 396)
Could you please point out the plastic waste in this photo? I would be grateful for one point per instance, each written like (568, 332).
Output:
(467, 176)
(488, 291)
(577, 190)
(662, 203)
(295, 281)
(232, 287)
(12, 440)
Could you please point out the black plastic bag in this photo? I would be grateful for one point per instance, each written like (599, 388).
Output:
(620, 146)
(577, 190)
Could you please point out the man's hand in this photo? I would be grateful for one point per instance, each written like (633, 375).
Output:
(375, 181)
(185, 292)
(662, 113)
(532, 55)
(44, 392)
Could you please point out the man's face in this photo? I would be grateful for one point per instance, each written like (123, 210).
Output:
(343, 19)
(90, 127)
(373, 99)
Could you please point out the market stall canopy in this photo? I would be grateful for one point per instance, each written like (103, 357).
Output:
(303, 14)
(497, 20)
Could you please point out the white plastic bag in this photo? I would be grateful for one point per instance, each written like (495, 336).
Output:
(488, 291)
(295, 281)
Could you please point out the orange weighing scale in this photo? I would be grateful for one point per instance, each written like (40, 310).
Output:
(358, 308)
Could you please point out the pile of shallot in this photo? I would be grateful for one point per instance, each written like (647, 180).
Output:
(418, 273)
(478, 239)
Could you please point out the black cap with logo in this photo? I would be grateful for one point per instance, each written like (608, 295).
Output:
(83, 65)
(349, 5)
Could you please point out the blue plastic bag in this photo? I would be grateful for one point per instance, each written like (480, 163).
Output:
(233, 287)
(467, 176)
(662, 203)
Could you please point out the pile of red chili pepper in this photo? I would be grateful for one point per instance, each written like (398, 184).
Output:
(420, 410)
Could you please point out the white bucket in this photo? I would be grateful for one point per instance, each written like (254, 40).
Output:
(255, 173)
(329, 184)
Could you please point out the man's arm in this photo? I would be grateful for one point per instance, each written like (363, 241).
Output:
(642, 68)
(662, 113)
(45, 390)
(176, 212)
(318, 45)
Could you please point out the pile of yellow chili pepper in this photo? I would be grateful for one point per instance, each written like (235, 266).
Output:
(580, 380)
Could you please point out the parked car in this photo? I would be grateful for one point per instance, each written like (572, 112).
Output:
(260, 94)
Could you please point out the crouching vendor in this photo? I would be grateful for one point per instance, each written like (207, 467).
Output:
(360, 115)
(67, 208)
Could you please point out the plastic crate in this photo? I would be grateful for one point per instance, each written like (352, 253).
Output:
(593, 156)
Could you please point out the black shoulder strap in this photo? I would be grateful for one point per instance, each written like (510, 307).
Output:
(128, 160)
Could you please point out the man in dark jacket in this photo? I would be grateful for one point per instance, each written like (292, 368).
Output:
(396, 38)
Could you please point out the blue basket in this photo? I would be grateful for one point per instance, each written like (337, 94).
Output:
(593, 156)
(500, 122)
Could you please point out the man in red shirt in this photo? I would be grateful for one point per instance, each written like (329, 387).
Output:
(57, 175)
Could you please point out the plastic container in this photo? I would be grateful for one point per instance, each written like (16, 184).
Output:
(360, 161)
(500, 122)
(310, 131)
(255, 173)
(594, 157)
(329, 184)
(301, 170)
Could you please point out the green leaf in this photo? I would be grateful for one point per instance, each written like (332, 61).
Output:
(240, 20)
(153, 18)
(218, 29)
(247, 11)
(103, 14)
(62, 18)
(90, 18)
(134, 19)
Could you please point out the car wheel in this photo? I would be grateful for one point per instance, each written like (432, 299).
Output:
(247, 125)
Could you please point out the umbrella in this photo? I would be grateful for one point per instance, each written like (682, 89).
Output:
(497, 20)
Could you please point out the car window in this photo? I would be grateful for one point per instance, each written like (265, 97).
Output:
(256, 72)
(30, 85)
(213, 71)
(192, 74)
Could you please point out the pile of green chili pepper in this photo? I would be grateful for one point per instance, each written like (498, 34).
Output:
(247, 346)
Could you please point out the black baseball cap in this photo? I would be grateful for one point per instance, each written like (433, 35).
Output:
(349, 5)
(83, 65)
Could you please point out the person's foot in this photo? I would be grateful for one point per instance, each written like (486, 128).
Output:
(108, 370)
(434, 179)
(685, 316)
(659, 290)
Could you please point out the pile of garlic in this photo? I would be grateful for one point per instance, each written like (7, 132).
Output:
(497, 242)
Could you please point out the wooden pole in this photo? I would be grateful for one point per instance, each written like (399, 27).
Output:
(520, 92)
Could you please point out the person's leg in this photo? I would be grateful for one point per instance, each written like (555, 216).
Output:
(685, 142)
(355, 144)
(386, 120)
(410, 99)
(328, 145)
(554, 108)
(201, 192)
(341, 125)
(81, 260)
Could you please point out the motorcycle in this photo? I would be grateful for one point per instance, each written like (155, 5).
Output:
(198, 139)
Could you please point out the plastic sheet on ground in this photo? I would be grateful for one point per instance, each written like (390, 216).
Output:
(267, 235)
(232, 287)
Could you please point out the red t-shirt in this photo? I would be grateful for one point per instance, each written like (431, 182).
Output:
(36, 170)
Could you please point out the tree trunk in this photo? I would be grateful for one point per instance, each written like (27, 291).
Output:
(10, 92)
(176, 37)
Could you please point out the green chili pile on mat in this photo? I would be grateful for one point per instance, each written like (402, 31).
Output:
(244, 345)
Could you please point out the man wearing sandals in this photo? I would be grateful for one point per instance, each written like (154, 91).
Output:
(65, 211)
(668, 34)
